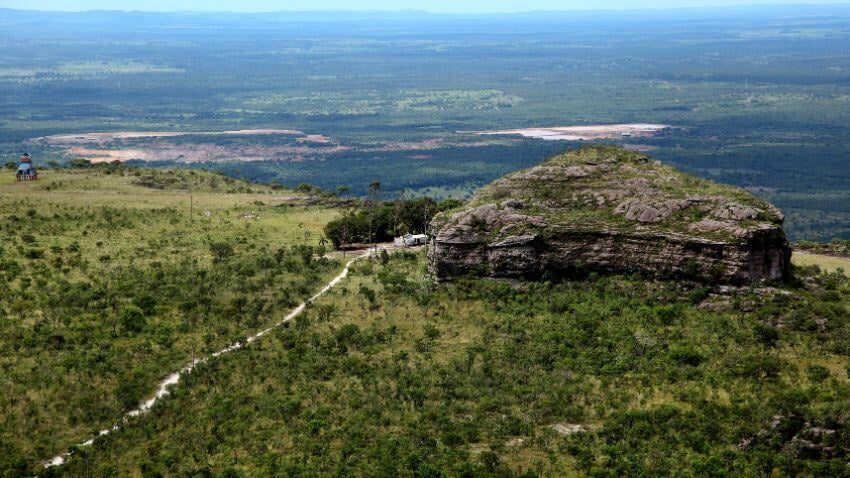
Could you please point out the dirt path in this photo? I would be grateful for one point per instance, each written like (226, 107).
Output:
(164, 386)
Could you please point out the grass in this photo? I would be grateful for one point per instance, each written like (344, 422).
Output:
(825, 262)
(168, 211)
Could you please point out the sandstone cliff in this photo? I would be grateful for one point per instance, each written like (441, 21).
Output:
(606, 209)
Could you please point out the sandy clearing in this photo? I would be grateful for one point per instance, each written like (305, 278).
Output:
(203, 152)
(314, 138)
(306, 148)
(118, 135)
(583, 133)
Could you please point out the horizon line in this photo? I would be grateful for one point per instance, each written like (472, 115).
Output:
(447, 13)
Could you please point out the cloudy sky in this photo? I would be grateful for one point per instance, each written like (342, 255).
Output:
(452, 6)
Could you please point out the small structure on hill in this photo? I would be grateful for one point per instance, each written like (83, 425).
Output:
(26, 171)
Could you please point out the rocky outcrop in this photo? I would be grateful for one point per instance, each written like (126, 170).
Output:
(610, 210)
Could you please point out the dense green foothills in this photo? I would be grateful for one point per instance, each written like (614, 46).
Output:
(109, 285)
(115, 277)
(391, 375)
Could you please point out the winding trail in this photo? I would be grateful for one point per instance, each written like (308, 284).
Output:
(164, 386)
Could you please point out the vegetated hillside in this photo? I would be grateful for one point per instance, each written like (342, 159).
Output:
(392, 375)
(109, 285)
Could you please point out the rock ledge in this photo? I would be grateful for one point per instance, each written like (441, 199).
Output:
(606, 209)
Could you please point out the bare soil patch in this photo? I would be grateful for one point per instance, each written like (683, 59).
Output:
(584, 133)
(298, 146)
(155, 146)
(81, 138)
(202, 153)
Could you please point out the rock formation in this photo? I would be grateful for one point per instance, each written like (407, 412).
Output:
(605, 209)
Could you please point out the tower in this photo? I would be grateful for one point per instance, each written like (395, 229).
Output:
(26, 171)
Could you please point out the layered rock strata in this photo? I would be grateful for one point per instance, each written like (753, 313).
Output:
(606, 209)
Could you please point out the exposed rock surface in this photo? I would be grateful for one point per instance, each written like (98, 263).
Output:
(610, 210)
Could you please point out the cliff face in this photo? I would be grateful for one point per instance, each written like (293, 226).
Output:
(610, 210)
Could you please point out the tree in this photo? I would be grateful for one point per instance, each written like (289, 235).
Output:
(79, 163)
(221, 251)
(133, 319)
(374, 196)
(398, 209)
(382, 221)
(667, 315)
(304, 188)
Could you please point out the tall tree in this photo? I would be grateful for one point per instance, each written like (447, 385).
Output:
(373, 198)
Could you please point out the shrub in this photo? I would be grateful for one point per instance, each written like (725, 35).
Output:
(221, 251)
(698, 295)
(766, 334)
(686, 355)
(758, 366)
(817, 373)
(33, 253)
(133, 319)
(146, 302)
(79, 163)
(431, 332)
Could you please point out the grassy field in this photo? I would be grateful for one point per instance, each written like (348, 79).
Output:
(110, 284)
(166, 199)
(825, 262)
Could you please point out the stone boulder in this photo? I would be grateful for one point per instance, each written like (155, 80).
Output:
(606, 209)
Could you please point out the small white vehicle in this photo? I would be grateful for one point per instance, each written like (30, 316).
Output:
(411, 240)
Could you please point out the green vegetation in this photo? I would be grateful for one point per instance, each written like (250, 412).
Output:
(114, 277)
(835, 247)
(433, 101)
(390, 375)
(829, 256)
(383, 221)
(827, 263)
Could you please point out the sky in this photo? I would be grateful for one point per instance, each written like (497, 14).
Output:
(437, 6)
